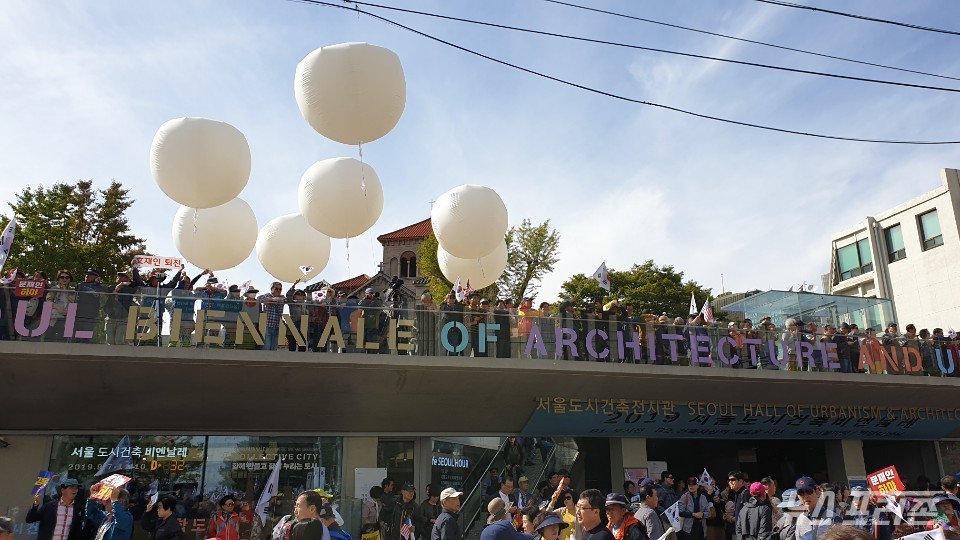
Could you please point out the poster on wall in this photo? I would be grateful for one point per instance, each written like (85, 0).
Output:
(656, 468)
(365, 478)
(635, 474)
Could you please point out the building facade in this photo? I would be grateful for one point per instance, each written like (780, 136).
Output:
(909, 254)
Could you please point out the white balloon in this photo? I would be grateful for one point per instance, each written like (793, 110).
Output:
(352, 92)
(479, 272)
(469, 221)
(287, 243)
(340, 197)
(200, 163)
(219, 238)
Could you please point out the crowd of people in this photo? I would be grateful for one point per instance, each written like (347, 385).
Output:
(743, 510)
(692, 508)
(570, 330)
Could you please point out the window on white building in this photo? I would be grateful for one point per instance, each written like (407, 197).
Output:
(895, 247)
(930, 236)
(854, 259)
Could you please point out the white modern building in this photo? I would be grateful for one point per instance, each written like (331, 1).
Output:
(909, 254)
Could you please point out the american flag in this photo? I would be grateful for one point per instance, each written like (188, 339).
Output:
(707, 311)
(405, 528)
(467, 291)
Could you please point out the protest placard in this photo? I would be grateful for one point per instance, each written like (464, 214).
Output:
(29, 288)
(153, 261)
(886, 480)
(106, 486)
(43, 478)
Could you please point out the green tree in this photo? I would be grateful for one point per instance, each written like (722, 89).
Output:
(531, 254)
(428, 267)
(646, 286)
(72, 226)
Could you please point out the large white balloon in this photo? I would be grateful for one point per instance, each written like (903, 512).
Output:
(352, 92)
(219, 238)
(200, 163)
(469, 221)
(287, 243)
(479, 272)
(340, 197)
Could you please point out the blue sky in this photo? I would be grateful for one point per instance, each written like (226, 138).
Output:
(84, 87)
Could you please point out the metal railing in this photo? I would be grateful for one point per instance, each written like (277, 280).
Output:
(472, 504)
(216, 318)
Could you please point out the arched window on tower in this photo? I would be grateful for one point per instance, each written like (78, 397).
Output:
(408, 264)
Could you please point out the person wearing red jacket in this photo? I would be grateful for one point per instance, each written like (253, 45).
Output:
(225, 524)
(621, 522)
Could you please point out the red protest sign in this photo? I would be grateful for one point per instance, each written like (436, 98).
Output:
(886, 480)
(28, 288)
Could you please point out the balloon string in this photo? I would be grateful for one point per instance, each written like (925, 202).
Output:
(194, 221)
(482, 271)
(363, 174)
(348, 256)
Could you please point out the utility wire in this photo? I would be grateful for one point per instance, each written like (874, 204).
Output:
(617, 96)
(861, 17)
(653, 49)
(745, 40)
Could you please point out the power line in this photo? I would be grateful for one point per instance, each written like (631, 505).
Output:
(617, 96)
(861, 17)
(653, 49)
(755, 42)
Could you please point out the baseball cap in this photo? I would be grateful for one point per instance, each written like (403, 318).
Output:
(646, 481)
(6, 525)
(368, 291)
(449, 492)
(805, 482)
(69, 482)
(408, 486)
(211, 281)
(234, 288)
(757, 489)
(92, 272)
(523, 479)
(616, 498)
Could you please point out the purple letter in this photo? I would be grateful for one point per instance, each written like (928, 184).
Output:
(673, 339)
(723, 357)
(635, 345)
(535, 340)
(566, 337)
(591, 349)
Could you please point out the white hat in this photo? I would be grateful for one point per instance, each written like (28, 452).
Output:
(450, 492)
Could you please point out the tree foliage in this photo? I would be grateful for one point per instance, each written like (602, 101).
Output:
(430, 268)
(72, 226)
(661, 289)
(531, 254)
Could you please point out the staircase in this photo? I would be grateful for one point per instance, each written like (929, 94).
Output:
(473, 510)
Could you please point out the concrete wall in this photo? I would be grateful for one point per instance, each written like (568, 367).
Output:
(924, 286)
(625, 454)
(19, 464)
(358, 453)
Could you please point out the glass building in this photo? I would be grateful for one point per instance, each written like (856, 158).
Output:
(820, 308)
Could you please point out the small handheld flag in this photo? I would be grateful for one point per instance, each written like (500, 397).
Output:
(306, 269)
(707, 312)
(602, 276)
(693, 305)
(458, 291)
(405, 528)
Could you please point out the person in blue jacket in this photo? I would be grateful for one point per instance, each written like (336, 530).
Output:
(110, 516)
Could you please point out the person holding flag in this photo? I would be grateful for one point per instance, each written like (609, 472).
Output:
(329, 518)
(110, 516)
(64, 514)
(403, 516)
